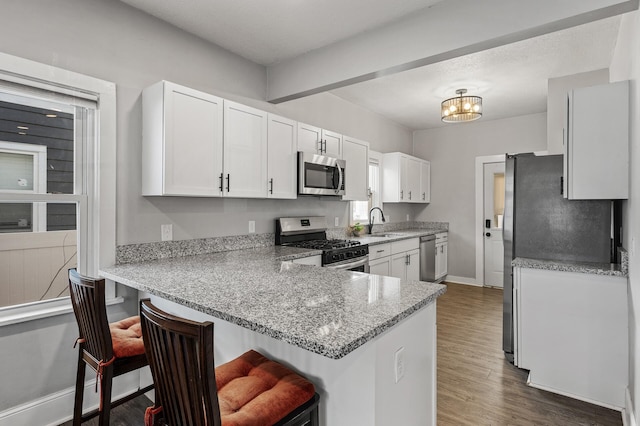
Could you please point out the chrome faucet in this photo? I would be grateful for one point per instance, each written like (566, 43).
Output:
(371, 217)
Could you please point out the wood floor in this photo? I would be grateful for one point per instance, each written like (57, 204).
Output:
(476, 385)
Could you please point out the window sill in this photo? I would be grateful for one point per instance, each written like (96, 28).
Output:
(39, 310)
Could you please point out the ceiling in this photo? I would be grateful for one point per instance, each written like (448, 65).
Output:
(511, 78)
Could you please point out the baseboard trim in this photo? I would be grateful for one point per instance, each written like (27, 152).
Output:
(628, 414)
(57, 408)
(570, 395)
(461, 280)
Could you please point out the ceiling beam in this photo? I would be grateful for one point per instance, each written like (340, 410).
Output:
(447, 30)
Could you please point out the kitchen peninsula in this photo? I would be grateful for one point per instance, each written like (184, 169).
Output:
(368, 342)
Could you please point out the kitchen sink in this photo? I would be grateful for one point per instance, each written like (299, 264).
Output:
(387, 235)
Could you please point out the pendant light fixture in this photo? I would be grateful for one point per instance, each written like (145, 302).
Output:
(461, 108)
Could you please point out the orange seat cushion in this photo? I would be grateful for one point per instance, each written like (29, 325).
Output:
(253, 390)
(126, 337)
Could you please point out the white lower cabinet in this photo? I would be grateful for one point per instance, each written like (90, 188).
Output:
(441, 255)
(571, 332)
(405, 259)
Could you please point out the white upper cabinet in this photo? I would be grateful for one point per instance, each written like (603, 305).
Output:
(332, 143)
(245, 151)
(320, 141)
(356, 154)
(596, 143)
(181, 141)
(282, 157)
(403, 179)
(309, 138)
(425, 181)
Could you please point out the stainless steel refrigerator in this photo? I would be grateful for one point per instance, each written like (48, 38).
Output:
(540, 224)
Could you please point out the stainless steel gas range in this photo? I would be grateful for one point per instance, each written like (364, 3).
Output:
(311, 232)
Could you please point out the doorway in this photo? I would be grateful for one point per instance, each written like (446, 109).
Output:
(493, 214)
(489, 179)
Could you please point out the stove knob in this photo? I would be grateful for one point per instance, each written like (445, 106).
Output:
(341, 256)
(349, 254)
(334, 257)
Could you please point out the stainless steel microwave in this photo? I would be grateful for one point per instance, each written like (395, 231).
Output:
(320, 175)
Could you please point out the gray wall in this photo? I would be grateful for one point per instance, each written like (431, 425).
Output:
(452, 151)
(109, 40)
(626, 66)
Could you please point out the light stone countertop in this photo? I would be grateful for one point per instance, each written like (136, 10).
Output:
(325, 311)
(609, 269)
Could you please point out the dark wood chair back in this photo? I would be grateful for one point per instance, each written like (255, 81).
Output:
(180, 354)
(88, 300)
(97, 350)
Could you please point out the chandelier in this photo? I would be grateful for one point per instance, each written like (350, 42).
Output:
(461, 108)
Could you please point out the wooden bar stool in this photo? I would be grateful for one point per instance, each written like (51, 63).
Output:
(109, 349)
(249, 390)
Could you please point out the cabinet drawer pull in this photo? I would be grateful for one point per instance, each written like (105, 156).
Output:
(380, 251)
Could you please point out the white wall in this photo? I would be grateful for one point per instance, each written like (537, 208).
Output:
(557, 89)
(112, 41)
(452, 151)
(626, 66)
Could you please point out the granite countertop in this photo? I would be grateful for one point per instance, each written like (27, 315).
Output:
(325, 311)
(609, 269)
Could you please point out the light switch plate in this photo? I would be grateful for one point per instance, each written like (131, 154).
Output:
(337, 221)
(252, 226)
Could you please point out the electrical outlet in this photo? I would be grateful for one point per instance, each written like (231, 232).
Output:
(252, 226)
(407, 218)
(166, 232)
(399, 364)
(337, 221)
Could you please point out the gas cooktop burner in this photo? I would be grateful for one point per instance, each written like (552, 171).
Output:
(325, 244)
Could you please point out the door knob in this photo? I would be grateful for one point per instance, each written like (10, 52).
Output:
(488, 234)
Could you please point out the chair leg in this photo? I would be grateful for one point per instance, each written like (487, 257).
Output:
(105, 386)
(77, 405)
(315, 418)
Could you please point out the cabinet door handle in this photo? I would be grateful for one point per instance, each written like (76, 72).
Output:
(221, 180)
(424, 196)
(409, 194)
(325, 146)
(228, 181)
(407, 260)
(401, 194)
(271, 183)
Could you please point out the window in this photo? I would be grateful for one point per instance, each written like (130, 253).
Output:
(360, 209)
(52, 216)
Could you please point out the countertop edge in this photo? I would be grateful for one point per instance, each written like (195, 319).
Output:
(604, 269)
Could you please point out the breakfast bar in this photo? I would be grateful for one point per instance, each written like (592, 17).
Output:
(368, 342)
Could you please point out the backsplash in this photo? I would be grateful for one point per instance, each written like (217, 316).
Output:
(132, 253)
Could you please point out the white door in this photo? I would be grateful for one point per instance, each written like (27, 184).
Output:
(356, 154)
(245, 151)
(309, 138)
(332, 144)
(493, 214)
(282, 155)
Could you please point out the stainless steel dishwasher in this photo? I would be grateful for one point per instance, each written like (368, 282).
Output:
(428, 258)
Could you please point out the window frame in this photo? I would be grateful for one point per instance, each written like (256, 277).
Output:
(375, 158)
(97, 246)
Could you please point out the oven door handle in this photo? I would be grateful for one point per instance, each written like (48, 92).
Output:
(363, 262)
